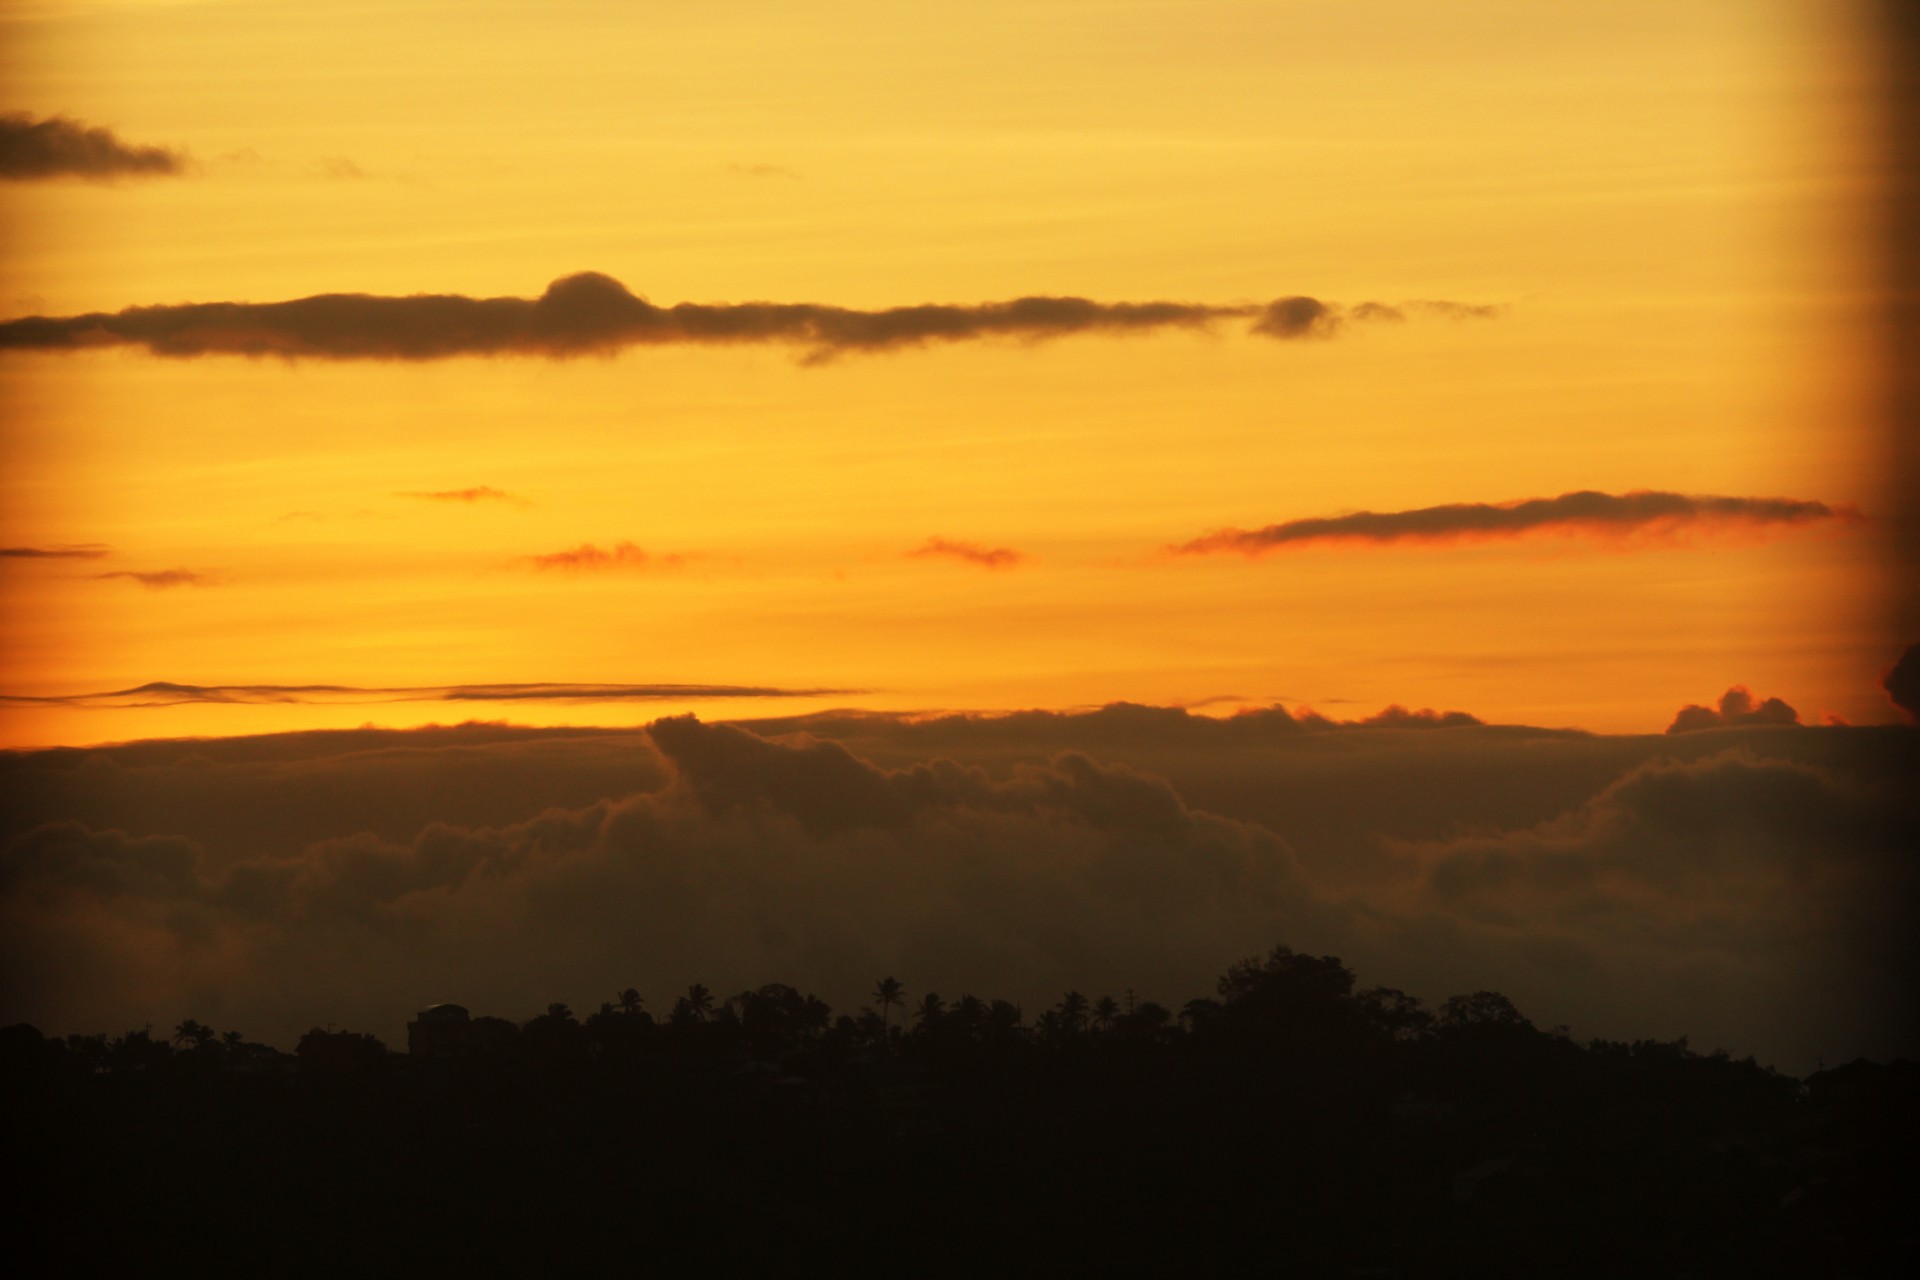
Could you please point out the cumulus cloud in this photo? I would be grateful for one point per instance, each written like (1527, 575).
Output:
(1737, 708)
(969, 552)
(1791, 881)
(621, 555)
(594, 314)
(478, 493)
(755, 859)
(163, 693)
(68, 551)
(1902, 682)
(56, 147)
(161, 579)
(1639, 512)
(1632, 886)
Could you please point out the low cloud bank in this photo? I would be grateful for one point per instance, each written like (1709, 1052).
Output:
(1749, 887)
(1587, 511)
(594, 314)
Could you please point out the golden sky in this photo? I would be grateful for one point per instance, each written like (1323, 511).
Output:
(1642, 216)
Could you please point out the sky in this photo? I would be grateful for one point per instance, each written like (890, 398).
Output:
(574, 365)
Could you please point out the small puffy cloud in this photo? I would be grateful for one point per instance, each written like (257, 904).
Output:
(1737, 708)
(161, 579)
(1640, 512)
(590, 558)
(594, 314)
(56, 147)
(967, 552)
(1398, 717)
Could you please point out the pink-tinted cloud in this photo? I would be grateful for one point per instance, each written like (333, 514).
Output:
(478, 493)
(160, 579)
(588, 557)
(969, 552)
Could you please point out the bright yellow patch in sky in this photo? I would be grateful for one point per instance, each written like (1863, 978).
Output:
(1660, 197)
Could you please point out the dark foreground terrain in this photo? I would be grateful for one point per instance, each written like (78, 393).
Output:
(1290, 1125)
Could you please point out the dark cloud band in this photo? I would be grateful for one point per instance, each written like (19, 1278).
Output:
(162, 693)
(69, 551)
(1586, 511)
(594, 314)
(32, 150)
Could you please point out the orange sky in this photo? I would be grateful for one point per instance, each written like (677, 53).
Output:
(1660, 198)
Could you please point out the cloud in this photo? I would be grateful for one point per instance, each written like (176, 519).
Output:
(1789, 884)
(1632, 886)
(68, 551)
(161, 579)
(1737, 708)
(753, 859)
(164, 693)
(1902, 682)
(971, 553)
(56, 147)
(478, 493)
(1398, 717)
(621, 555)
(1641, 511)
(594, 314)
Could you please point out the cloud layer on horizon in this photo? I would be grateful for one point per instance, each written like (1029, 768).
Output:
(594, 314)
(1745, 886)
(56, 147)
(1643, 511)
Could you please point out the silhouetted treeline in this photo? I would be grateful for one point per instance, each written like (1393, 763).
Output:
(1289, 1122)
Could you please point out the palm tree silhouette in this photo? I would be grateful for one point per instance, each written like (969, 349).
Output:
(886, 995)
(1105, 1010)
(192, 1033)
(629, 1001)
(700, 1001)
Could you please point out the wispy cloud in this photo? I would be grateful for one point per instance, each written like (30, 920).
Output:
(594, 314)
(1642, 511)
(160, 579)
(56, 147)
(971, 553)
(164, 693)
(621, 555)
(478, 493)
(67, 551)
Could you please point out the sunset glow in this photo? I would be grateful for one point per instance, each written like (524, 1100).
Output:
(1647, 291)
